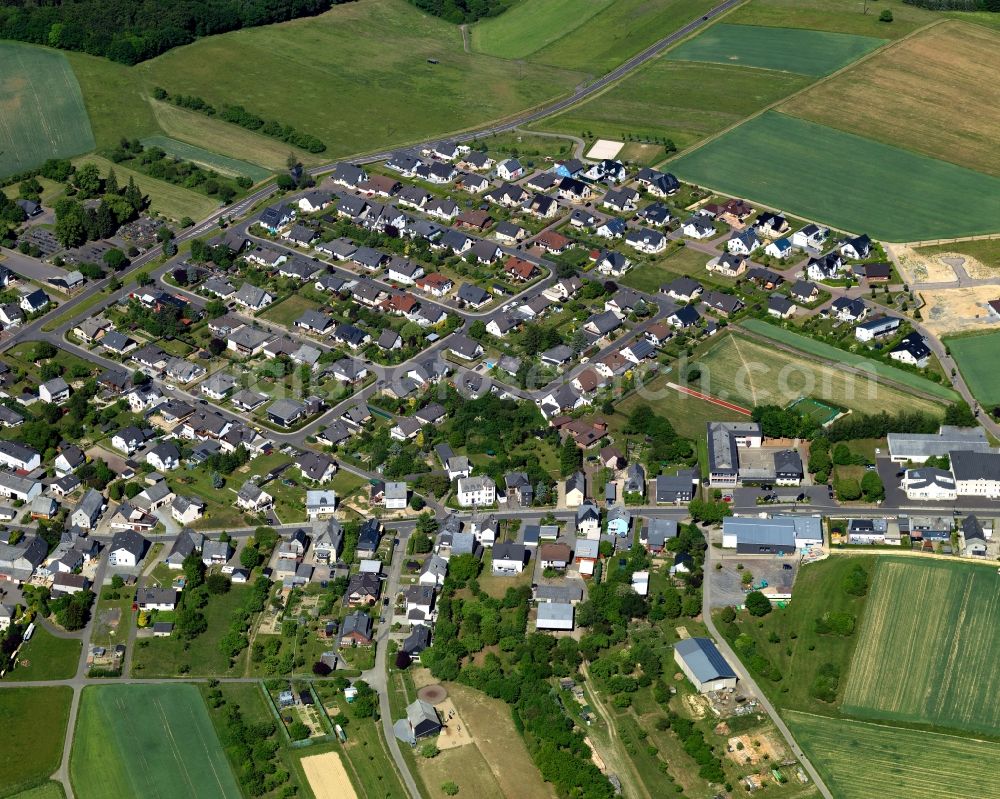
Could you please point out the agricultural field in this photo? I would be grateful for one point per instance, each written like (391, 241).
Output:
(934, 91)
(174, 202)
(940, 668)
(323, 75)
(751, 372)
(47, 790)
(805, 52)
(741, 163)
(32, 729)
(839, 16)
(683, 101)
(148, 740)
(976, 359)
(224, 165)
(829, 352)
(42, 114)
(621, 30)
(858, 760)
(531, 25)
(47, 657)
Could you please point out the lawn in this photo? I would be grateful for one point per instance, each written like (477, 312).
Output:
(531, 25)
(683, 101)
(323, 75)
(975, 356)
(175, 202)
(858, 760)
(649, 277)
(49, 657)
(742, 163)
(621, 30)
(934, 92)
(148, 740)
(168, 657)
(33, 721)
(41, 109)
(937, 668)
(289, 309)
(805, 52)
(751, 372)
(818, 589)
(687, 414)
(829, 352)
(220, 163)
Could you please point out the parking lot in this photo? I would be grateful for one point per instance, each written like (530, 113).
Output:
(727, 588)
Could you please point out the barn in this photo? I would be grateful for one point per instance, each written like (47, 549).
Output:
(704, 665)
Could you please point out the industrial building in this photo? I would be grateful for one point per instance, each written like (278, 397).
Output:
(704, 665)
(778, 535)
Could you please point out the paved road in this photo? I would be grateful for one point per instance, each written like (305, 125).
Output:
(748, 681)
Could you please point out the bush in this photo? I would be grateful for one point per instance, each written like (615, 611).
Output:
(449, 788)
(758, 604)
(885, 16)
(855, 581)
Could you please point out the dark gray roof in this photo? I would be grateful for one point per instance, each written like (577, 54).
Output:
(704, 659)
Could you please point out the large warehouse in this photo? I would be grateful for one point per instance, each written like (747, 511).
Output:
(778, 535)
(704, 665)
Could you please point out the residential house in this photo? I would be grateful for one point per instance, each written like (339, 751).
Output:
(127, 548)
(508, 559)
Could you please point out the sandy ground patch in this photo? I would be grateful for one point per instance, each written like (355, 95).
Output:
(695, 705)
(682, 632)
(605, 148)
(455, 731)
(973, 267)
(957, 310)
(917, 268)
(327, 777)
(422, 677)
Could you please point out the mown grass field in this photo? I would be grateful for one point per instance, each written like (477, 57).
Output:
(683, 101)
(222, 164)
(750, 372)
(32, 730)
(986, 251)
(805, 52)
(687, 414)
(784, 162)
(172, 201)
(829, 352)
(839, 16)
(531, 25)
(48, 657)
(650, 276)
(47, 790)
(42, 114)
(976, 359)
(148, 740)
(858, 760)
(621, 30)
(934, 91)
(938, 668)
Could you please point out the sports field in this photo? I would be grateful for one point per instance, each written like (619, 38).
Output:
(681, 100)
(935, 94)
(198, 155)
(806, 52)
(829, 352)
(888, 192)
(531, 25)
(976, 359)
(939, 668)
(751, 372)
(148, 740)
(814, 409)
(858, 760)
(41, 109)
(32, 730)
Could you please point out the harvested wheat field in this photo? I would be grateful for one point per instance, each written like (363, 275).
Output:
(327, 777)
(935, 94)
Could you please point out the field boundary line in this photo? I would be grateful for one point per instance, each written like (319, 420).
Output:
(774, 106)
(708, 398)
(893, 727)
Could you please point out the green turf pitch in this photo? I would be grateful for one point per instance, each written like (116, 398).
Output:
(939, 668)
(222, 164)
(846, 181)
(41, 109)
(153, 741)
(858, 760)
(976, 357)
(818, 411)
(806, 52)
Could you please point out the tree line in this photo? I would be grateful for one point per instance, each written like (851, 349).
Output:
(130, 32)
(238, 115)
(459, 11)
